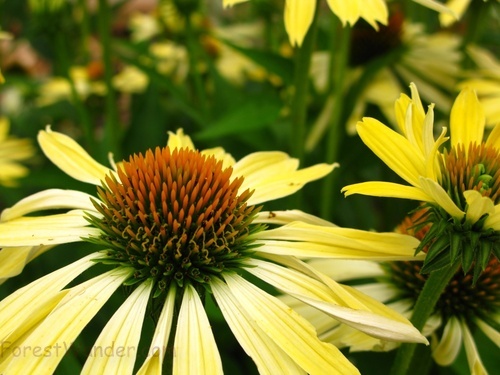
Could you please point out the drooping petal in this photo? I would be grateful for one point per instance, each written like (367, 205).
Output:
(293, 334)
(476, 366)
(157, 350)
(343, 303)
(493, 220)
(309, 241)
(439, 195)
(467, 120)
(386, 189)
(122, 334)
(50, 199)
(393, 149)
(179, 140)
(267, 355)
(13, 259)
(299, 15)
(195, 350)
(46, 230)
(36, 294)
(447, 350)
(71, 158)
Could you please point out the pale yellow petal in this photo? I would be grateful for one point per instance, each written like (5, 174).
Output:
(393, 149)
(338, 242)
(122, 334)
(179, 140)
(70, 157)
(195, 350)
(159, 343)
(66, 321)
(299, 15)
(50, 199)
(449, 346)
(386, 189)
(220, 154)
(266, 354)
(15, 316)
(13, 259)
(285, 217)
(341, 302)
(275, 175)
(46, 230)
(476, 366)
(467, 120)
(293, 334)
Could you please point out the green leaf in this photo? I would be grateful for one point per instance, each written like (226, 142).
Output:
(251, 116)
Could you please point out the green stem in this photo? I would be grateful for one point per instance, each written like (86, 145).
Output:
(433, 288)
(299, 103)
(112, 135)
(339, 60)
(476, 16)
(194, 56)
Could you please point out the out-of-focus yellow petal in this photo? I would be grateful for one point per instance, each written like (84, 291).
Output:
(179, 140)
(299, 15)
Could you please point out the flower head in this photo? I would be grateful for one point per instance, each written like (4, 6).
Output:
(178, 226)
(458, 182)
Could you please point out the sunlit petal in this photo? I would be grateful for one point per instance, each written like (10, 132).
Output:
(70, 157)
(49, 200)
(299, 15)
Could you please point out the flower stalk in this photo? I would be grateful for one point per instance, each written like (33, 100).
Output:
(424, 307)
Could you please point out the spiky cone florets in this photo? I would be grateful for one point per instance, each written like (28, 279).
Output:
(174, 216)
